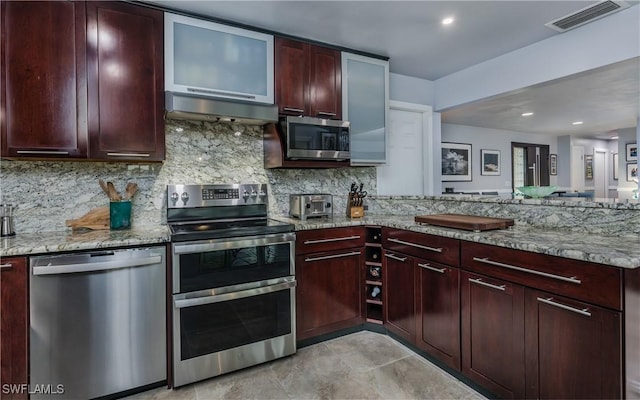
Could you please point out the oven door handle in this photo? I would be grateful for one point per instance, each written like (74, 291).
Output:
(236, 244)
(198, 301)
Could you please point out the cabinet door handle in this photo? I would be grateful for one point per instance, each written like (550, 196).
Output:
(402, 259)
(489, 285)
(217, 92)
(295, 110)
(129, 154)
(549, 301)
(437, 250)
(571, 279)
(328, 114)
(353, 253)
(6, 266)
(338, 239)
(429, 267)
(51, 152)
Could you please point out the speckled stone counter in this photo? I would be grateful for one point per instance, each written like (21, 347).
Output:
(54, 242)
(618, 251)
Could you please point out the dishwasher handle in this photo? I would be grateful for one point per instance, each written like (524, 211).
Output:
(96, 266)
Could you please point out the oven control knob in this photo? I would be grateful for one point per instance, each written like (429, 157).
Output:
(174, 198)
(185, 198)
(254, 194)
(262, 193)
(245, 195)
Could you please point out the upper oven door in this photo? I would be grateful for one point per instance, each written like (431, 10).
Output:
(229, 262)
(317, 138)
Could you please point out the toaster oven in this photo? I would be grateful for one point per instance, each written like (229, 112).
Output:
(304, 206)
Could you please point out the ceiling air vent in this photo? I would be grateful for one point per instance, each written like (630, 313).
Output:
(586, 15)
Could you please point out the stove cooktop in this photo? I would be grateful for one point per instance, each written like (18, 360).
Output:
(205, 230)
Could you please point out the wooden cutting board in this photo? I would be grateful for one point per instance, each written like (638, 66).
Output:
(468, 222)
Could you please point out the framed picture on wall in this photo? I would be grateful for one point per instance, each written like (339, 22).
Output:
(615, 166)
(489, 162)
(588, 167)
(456, 162)
(553, 164)
(632, 172)
(632, 152)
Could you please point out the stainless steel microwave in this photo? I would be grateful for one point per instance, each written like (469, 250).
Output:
(316, 138)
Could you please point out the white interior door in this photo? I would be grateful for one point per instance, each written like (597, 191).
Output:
(577, 168)
(600, 173)
(404, 172)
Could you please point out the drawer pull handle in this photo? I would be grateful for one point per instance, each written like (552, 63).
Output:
(549, 301)
(328, 114)
(6, 266)
(572, 279)
(128, 154)
(291, 109)
(429, 267)
(402, 259)
(489, 285)
(338, 239)
(437, 250)
(353, 253)
(50, 152)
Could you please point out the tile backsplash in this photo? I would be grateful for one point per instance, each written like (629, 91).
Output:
(47, 193)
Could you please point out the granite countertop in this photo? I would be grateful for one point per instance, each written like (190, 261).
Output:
(53, 242)
(618, 251)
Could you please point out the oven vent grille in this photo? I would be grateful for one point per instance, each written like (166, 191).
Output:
(586, 15)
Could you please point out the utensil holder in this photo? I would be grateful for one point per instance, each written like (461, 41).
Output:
(120, 214)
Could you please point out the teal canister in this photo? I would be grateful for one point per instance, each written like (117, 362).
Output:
(120, 214)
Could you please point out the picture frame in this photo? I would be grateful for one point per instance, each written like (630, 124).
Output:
(615, 166)
(489, 162)
(632, 172)
(553, 164)
(588, 167)
(456, 162)
(632, 152)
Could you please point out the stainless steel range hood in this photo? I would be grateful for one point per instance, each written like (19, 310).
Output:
(201, 108)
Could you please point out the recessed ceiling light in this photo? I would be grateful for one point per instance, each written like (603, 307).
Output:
(527, 114)
(614, 137)
(577, 123)
(447, 21)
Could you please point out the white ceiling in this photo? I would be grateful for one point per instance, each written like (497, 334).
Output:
(418, 45)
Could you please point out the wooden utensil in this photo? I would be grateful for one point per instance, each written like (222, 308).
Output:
(130, 190)
(467, 222)
(112, 192)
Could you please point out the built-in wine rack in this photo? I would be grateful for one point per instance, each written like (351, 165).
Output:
(373, 273)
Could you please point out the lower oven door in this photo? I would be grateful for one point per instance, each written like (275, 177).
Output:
(216, 334)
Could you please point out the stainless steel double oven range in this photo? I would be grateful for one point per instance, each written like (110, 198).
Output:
(233, 280)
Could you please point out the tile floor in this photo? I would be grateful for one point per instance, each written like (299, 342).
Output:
(362, 365)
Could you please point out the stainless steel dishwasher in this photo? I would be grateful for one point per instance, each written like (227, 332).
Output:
(98, 322)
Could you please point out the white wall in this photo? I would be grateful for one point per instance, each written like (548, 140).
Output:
(491, 139)
(599, 43)
(411, 90)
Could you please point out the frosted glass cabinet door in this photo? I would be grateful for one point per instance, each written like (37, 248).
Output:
(207, 58)
(365, 104)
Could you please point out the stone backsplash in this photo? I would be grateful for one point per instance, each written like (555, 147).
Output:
(47, 193)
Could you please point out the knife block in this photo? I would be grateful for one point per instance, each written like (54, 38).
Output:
(354, 211)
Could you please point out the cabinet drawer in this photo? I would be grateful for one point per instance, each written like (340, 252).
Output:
(318, 240)
(594, 283)
(421, 245)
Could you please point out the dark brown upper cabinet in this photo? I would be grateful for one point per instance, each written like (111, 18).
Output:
(126, 80)
(82, 80)
(44, 85)
(308, 79)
